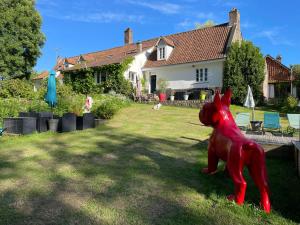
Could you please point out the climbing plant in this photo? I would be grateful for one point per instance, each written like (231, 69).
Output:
(83, 81)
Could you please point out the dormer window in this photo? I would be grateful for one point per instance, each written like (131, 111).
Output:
(164, 48)
(162, 53)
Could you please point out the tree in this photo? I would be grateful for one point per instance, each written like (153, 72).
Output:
(244, 66)
(21, 38)
(208, 23)
(296, 72)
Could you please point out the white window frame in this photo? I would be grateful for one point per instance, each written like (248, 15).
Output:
(202, 75)
(132, 77)
(162, 53)
(99, 77)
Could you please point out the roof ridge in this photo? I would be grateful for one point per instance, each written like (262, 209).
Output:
(274, 59)
(148, 40)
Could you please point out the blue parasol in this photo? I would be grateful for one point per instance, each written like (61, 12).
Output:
(51, 90)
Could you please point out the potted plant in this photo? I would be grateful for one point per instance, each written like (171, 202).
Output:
(172, 95)
(87, 120)
(186, 96)
(105, 111)
(162, 87)
(203, 95)
(69, 120)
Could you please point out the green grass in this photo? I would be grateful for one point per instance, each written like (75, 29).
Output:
(142, 167)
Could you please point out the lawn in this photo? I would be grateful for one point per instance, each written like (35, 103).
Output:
(142, 167)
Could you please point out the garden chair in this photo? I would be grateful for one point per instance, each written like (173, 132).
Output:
(242, 120)
(2, 131)
(271, 122)
(294, 122)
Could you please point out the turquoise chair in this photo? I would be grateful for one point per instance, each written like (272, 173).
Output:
(271, 122)
(242, 120)
(2, 131)
(294, 122)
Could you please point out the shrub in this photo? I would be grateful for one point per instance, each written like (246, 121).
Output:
(162, 85)
(244, 66)
(38, 106)
(16, 88)
(11, 107)
(291, 103)
(106, 110)
(109, 105)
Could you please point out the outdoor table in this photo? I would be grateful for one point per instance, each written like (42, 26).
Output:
(256, 125)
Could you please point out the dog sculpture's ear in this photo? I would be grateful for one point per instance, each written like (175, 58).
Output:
(226, 99)
(217, 100)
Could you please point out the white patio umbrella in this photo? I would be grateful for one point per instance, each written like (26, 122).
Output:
(249, 103)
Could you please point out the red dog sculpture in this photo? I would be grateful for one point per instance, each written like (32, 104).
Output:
(229, 144)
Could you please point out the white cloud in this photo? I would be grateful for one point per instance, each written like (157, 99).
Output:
(163, 7)
(274, 36)
(206, 16)
(247, 24)
(186, 24)
(104, 17)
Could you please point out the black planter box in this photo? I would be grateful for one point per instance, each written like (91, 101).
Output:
(86, 121)
(42, 119)
(68, 122)
(21, 125)
(59, 128)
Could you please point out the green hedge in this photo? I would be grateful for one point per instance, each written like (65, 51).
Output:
(105, 105)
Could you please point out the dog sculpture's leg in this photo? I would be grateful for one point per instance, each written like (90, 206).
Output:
(212, 161)
(258, 173)
(235, 169)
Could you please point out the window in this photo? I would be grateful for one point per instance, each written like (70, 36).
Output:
(132, 77)
(162, 53)
(202, 75)
(205, 74)
(100, 77)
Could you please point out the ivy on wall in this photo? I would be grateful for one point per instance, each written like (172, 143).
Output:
(82, 80)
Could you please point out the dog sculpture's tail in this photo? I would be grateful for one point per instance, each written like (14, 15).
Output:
(258, 172)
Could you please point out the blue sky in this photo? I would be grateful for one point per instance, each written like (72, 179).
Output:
(73, 27)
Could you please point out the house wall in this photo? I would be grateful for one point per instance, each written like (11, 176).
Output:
(181, 77)
(265, 83)
(138, 63)
(168, 49)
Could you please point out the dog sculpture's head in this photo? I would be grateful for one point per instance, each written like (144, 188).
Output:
(217, 111)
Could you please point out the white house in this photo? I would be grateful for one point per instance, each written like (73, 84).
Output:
(189, 61)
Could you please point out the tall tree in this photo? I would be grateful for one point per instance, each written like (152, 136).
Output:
(21, 38)
(244, 66)
(208, 23)
(296, 72)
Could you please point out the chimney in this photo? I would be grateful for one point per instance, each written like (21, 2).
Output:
(234, 18)
(279, 58)
(140, 46)
(128, 36)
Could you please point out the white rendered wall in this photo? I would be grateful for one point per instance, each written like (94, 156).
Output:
(181, 77)
(265, 83)
(138, 63)
(271, 91)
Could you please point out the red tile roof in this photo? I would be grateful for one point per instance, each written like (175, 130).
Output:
(195, 46)
(191, 46)
(277, 71)
(42, 75)
(110, 56)
(168, 41)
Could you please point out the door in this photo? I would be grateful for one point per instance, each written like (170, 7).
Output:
(153, 83)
